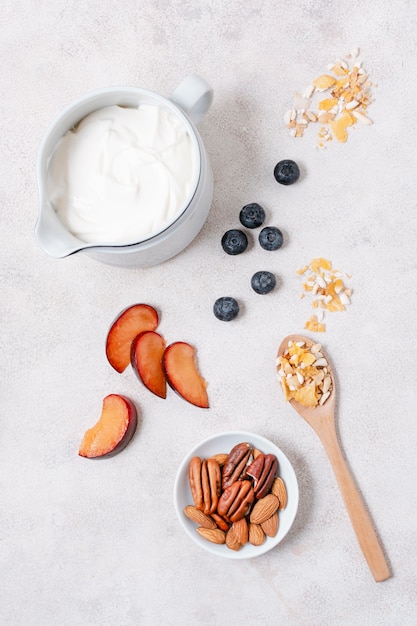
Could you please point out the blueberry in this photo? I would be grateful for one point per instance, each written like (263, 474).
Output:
(234, 241)
(263, 282)
(252, 215)
(226, 309)
(271, 238)
(286, 172)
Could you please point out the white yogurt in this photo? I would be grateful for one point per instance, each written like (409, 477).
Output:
(123, 174)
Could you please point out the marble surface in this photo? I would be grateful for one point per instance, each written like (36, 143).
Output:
(90, 543)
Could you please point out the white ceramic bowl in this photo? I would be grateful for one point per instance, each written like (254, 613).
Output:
(223, 443)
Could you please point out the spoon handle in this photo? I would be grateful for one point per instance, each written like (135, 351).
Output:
(359, 517)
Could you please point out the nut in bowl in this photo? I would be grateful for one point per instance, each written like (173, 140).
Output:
(236, 495)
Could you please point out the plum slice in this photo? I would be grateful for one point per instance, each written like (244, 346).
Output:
(128, 325)
(114, 429)
(182, 374)
(146, 356)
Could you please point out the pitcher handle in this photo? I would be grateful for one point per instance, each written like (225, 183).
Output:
(194, 95)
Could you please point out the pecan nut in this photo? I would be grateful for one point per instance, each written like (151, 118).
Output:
(220, 521)
(235, 464)
(194, 477)
(215, 483)
(205, 483)
(263, 470)
(236, 500)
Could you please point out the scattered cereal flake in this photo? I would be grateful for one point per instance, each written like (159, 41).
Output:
(312, 117)
(324, 82)
(288, 117)
(301, 103)
(343, 97)
(319, 263)
(340, 69)
(362, 118)
(327, 104)
(340, 124)
(314, 326)
(327, 286)
(309, 91)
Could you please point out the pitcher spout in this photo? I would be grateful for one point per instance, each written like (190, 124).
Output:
(53, 237)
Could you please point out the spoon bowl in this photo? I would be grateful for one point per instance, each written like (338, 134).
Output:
(322, 420)
(321, 416)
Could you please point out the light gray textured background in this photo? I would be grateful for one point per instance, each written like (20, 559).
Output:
(87, 543)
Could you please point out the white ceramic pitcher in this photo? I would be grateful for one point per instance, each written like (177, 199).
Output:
(190, 101)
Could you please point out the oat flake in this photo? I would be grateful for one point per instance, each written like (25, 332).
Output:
(328, 290)
(337, 100)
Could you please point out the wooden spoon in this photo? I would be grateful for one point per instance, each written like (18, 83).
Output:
(322, 421)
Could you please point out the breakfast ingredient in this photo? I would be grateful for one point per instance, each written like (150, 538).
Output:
(304, 374)
(271, 238)
(215, 535)
(220, 458)
(286, 172)
(279, 490)
(256, 534)
(236, 500)
(114, 429)
(235, 464)
(252, 215)
(263, 282)
(241, 531)
(147, 351)
(264, 508)
(262, 470)
(232, 541)
(197, 516)
(241, 504)
(196, 486)
(132, 339)
(205, 483)
(335, 101)
(270, 526)
(226, 308)
(123, 173)
(314, 324)
(234, 241)
(220, 521)
(128, 325)
(326, 285)
(182, 374)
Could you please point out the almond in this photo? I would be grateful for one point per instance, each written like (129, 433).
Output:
(280, 491)
(256, 453)
(241, 531)
(256, 535)
(232, 541)
(215, 535)
(270, 526)
(264, 508)
(220, 458)
(199, 517)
